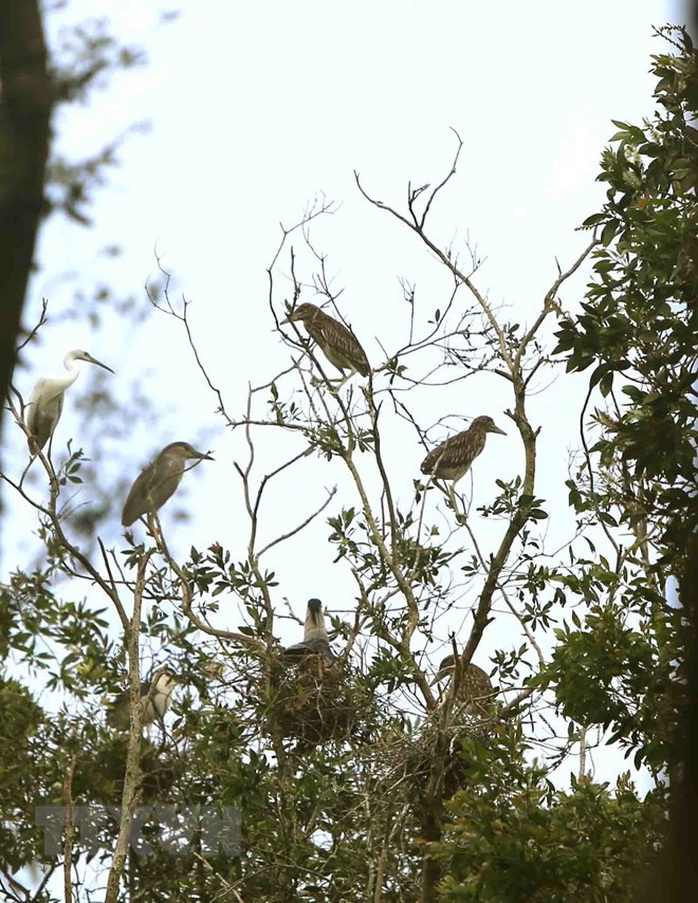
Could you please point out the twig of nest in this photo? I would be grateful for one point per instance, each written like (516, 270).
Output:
(317, 701)
(436, 761)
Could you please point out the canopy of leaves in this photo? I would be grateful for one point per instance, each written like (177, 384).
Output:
(639, 323)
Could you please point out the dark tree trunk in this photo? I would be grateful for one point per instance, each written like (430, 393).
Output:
(674, 876)
(25, 110)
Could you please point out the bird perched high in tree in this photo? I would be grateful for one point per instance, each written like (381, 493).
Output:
(46, 403)
(158, 481)
(339, 344)
(452, 459)
(155, 701)
(315, 638)
(473, 686)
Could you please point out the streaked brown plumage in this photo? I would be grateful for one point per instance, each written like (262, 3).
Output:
(452, 459)
(474, 686)
(339, 344)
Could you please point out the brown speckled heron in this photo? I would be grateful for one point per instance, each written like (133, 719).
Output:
(315, 638)
(452, 459)
(46, 403)
(339, 344)
(473, 685)
(155, 701)
(159, 480)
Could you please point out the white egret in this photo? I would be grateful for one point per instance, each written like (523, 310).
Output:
(46, 403)
(157, 482)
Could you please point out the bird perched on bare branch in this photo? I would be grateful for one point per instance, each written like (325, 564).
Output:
(315, 638)
(339, 344)
(46, 403)
(452, 459)
(159, 480)
(473, 685)
(155, 701)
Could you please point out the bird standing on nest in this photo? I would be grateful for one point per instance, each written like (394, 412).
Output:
(158, 481)
(339, 344)
(315, 638)
(473, 686)
(155, 701)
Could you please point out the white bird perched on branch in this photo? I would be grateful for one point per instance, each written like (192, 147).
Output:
(46, 402)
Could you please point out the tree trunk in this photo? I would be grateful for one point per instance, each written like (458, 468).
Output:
(25, 110)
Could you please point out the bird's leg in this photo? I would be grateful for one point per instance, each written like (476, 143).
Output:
(159, 538)
(34, 453)
(460, 514)
(158, 535)
(334, 385)
(53, 478)
(154, 529)
(26, 470)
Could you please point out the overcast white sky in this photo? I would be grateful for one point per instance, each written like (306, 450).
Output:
(258, 107)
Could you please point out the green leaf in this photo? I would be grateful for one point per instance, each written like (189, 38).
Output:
(606, 383)
(609, 231)
(594, 219)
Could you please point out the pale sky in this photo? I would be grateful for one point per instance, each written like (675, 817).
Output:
(256, 109)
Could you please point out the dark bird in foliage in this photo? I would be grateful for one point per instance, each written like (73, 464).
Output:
(339, 344)
(473, 686)
(452, 459)
(315, 638)
(159, 480)
(46, 403)
(155, 701)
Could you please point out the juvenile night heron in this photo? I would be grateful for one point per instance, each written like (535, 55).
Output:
(452, 459)
(473, 685)
(155, 701)
(46, 403)
(339, 344)
(315, 638)
(159, 480)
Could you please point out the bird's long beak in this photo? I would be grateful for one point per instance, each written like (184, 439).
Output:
(204, 457)
(496, 429)
(291, 318)
(93, 360)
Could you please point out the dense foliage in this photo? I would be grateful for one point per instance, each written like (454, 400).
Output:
(363, 778)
